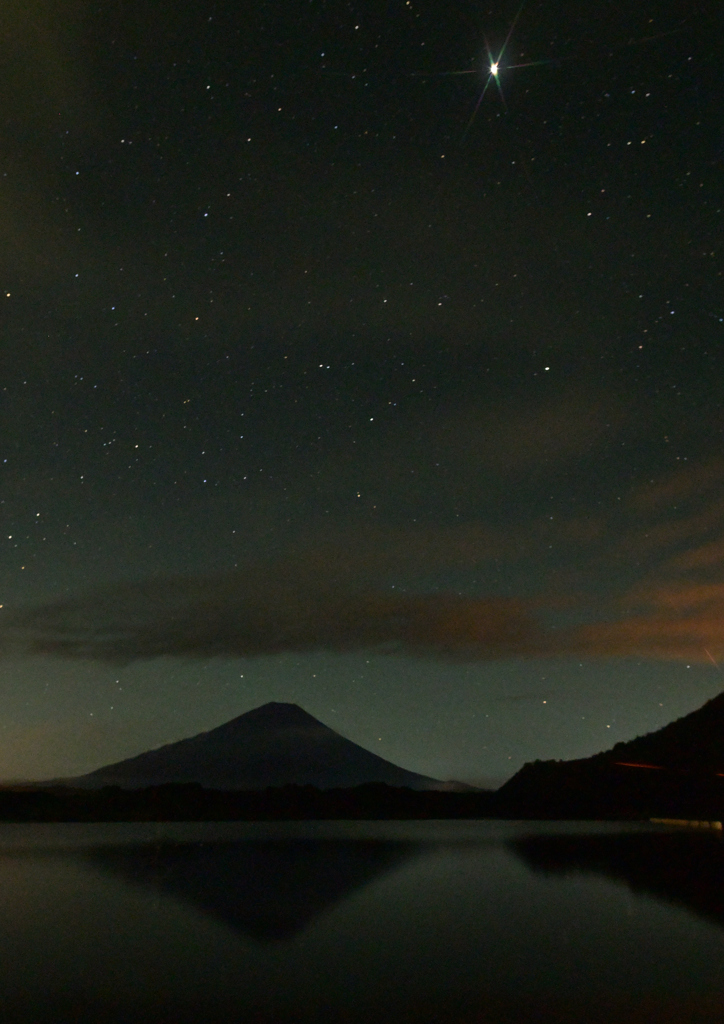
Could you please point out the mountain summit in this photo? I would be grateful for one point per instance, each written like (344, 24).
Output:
(273, 745)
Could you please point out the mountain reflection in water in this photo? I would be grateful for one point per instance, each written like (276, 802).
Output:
(268, 889)
(684, 867)
(363, 923)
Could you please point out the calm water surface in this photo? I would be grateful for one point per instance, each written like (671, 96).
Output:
(335, 921)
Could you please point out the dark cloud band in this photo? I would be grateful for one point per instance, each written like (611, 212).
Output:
(233, 616)
(226, 617)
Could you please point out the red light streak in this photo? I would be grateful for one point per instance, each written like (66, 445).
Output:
(632, 764)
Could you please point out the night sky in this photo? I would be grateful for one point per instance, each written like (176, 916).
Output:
(326, 378)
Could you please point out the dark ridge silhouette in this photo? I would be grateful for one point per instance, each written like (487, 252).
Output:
(273, 745)
(677, 771)
(693, 743)
(269, 890)
(683, 868)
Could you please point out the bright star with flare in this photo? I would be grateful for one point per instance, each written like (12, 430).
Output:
(494, 68)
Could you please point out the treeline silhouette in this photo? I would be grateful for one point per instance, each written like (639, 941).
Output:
(599, 789)
(553, 790)
(192, 802)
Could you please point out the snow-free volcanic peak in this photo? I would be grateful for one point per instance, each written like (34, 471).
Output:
(273, 745)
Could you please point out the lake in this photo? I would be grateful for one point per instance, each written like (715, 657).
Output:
(471, 921)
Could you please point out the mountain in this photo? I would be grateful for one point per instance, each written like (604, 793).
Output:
(692, 743)
(269, 890)
(273, 745)
(677, 771)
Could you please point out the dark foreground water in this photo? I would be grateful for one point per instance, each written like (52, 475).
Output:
(382, 921)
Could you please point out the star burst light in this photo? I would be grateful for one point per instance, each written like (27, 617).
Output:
(494, 67)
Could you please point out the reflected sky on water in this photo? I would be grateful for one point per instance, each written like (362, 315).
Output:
(418, 921)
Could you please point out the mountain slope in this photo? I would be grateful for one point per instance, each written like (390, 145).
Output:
(692, 743)
(273, 745)
(677, 771)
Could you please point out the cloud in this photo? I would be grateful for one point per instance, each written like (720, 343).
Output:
(233, 616)
(677, 623)
(253, 614)
(704, 557)
(509, 440)
(690, 482)
(645, 575)
(371, 555)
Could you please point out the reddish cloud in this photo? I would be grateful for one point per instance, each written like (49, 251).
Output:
(228, 617)
(335, 591)
(703, 557)
(511, 440)
(690, 481)
(684, 623)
